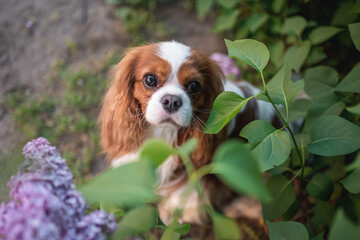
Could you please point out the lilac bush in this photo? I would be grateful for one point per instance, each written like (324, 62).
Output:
(227, 65)
(45, 203)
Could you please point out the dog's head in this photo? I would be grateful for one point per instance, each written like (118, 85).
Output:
(164, 85)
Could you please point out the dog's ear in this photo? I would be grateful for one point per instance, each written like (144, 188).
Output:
(120, 116)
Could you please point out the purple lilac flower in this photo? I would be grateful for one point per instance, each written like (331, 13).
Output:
(227, 65)
(29, 24)
(45, 203)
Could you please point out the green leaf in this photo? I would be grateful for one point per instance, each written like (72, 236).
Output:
(122, 186)
(277, 53)
(277, 5)
(294, 25)
(282, 90)
(321, 34)
(226, 20)
(283, 196)
(351, 82)
(324, 105)
(270, 146)
(175, 230)
(320, 80)
(111, 208)
(296, 55)
(182, 228)
(228, 3)
(335, 110)
(320, 187)
(123, 12)
(323, 213)
(224, 227)
(342, 228)
(287, 231)
(351, 182)
(188, 147)
(299, 108)
(355, 164)
(357, 7)
(354, 109)
(292, 211)
(256, 21)
(156, 151)
(354, 29)
(334, 136)
(250, 51)
(344, 14)
(317, 54)
(203, 7)
(170, 235)
(275, 25)
(242, 31)
(225, 107)
(138, 220)
(319, 237)
(235, 166)
(113, 1)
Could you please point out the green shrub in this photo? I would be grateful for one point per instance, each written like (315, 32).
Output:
(319, 43)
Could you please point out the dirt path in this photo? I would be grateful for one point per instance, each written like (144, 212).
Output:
(36, 34)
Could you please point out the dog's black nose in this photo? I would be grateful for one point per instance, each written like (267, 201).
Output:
(171, 103)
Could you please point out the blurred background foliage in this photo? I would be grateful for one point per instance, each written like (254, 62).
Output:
(305, 34)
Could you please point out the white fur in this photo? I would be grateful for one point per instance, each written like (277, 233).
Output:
(231, 86)
(191, 206)
(176, 54)
(127, 158)
(155, 113)
(165, 170)
(168, 134)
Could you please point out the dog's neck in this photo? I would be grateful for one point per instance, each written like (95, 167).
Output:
(168, 134)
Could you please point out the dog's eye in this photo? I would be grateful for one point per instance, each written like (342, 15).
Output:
(150, 81)
(193, 87)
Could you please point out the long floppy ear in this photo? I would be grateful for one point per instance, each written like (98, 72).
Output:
(120, 116)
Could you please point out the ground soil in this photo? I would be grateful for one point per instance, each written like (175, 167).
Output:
(27, 54)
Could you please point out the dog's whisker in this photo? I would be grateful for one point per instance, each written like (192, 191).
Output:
(202, 110)
(198, 123)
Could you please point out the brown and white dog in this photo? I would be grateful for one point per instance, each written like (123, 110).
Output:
(166, 90)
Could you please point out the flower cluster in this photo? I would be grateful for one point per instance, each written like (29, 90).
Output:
(227, 65)
(45, 203)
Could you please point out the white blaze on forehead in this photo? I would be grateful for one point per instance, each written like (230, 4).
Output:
(175, 53)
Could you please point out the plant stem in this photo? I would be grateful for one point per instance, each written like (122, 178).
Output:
(263, 81)
(289, 129)
(193, 178)
(204, 170)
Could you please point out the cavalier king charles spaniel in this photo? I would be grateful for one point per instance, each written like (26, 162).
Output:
(166, 90)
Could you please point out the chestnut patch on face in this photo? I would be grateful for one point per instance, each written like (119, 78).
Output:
(148, 68)
(201, 78)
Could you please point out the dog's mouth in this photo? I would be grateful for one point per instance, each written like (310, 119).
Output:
(169, 122)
